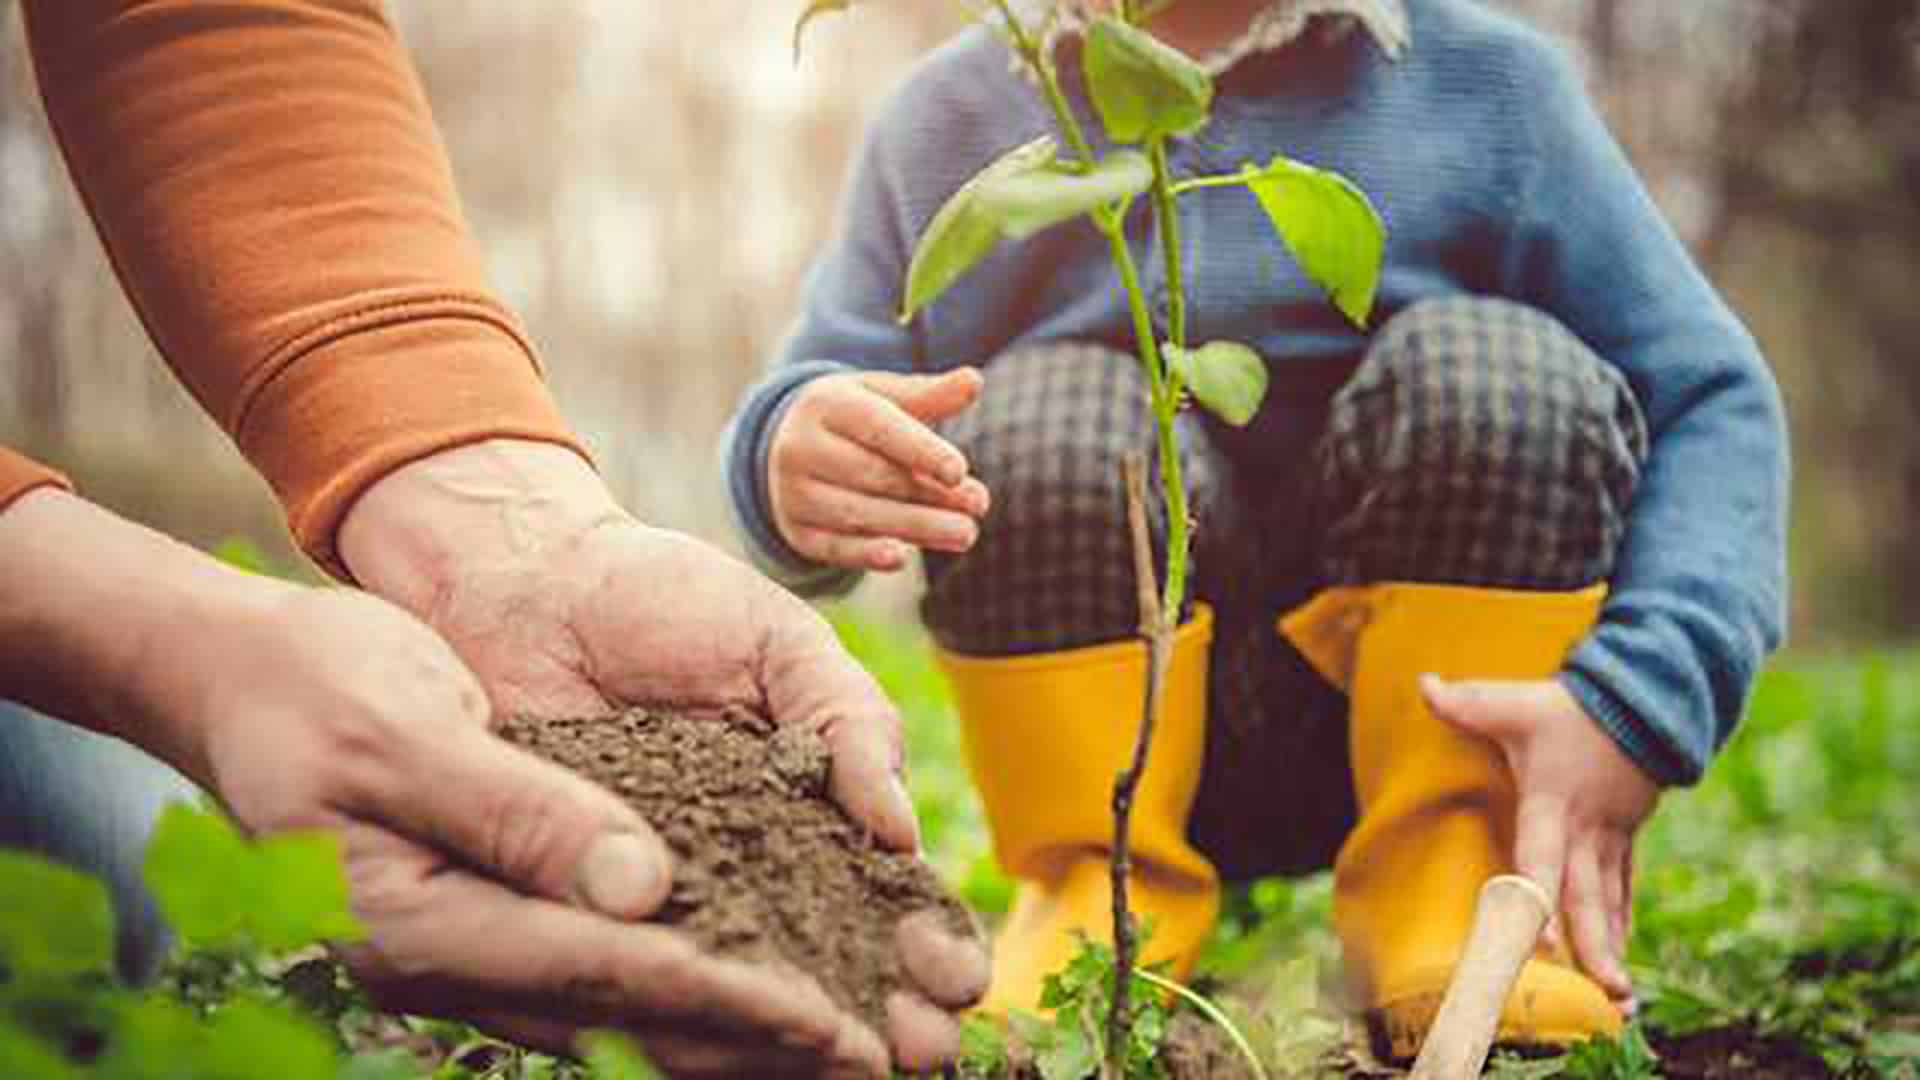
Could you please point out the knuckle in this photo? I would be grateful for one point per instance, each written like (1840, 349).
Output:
(528, 832)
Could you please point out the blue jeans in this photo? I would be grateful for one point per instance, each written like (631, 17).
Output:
(90, 802)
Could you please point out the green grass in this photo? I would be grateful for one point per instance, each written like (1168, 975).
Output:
(1779, 900)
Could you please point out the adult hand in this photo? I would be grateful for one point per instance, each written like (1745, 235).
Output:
(564, 605)
(495, 886)
(1581, 801)
(856, 472)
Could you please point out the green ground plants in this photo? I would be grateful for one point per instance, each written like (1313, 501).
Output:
(247, 994)
(1777, 927)
(1777, 905)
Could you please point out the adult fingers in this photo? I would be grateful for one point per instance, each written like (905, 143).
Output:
(692, 1058)
(809, 680)
(1586, 904)
(529, 822)
(465, 944)
(845, 463)
(878, 424)
(950, 971)
(923, 1037)
(929, 398)
(821, 505)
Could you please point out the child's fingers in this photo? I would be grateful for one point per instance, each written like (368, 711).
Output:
(876, 423)
(1586, 908)
(842, 510)
(929, 398)
(875, 553)
(845, 463)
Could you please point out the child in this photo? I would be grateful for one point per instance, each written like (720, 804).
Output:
(1524, 538)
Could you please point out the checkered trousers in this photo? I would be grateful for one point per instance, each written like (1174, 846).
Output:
(1477, 442)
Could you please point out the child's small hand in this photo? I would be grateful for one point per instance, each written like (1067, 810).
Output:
(855, 472)
(1581, 802)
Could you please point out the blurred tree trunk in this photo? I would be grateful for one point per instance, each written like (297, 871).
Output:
(1820, 172)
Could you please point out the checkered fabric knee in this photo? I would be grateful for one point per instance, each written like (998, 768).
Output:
(1053, 567)
(1479, 443)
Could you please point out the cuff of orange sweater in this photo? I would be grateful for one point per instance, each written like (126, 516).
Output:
(20, 474)
(329, 424)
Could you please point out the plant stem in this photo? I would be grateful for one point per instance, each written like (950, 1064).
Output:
(1166, 212)
(1196, 183)
(1159, 614)
(1155, 630)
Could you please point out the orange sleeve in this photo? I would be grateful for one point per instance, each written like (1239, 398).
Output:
(19, 475)
(272, 192)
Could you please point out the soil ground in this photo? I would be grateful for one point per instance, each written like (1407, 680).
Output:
(767, 868)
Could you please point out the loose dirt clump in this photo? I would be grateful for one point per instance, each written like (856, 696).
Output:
(767, 868)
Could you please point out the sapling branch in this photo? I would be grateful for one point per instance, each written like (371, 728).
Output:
(1144, 94)
(1155, 630)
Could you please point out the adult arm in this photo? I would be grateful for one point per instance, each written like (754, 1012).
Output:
(261, 692)
(269, 185)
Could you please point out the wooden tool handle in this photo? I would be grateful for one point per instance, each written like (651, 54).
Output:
(1506, 929)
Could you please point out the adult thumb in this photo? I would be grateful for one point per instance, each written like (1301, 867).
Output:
(929, 398)
(534, 825)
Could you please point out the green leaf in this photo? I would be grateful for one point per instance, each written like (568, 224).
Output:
(1070, 1055)
(1026, 190)
(245, 1034)
(303, 877)
(1227, 377)
(1143, 88)
(219, 891)
(610, 1056)
(1329, 225)
(53, 921)
(199, 872)
(23, 1055)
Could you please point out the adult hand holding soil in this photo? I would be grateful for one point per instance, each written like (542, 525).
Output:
(1581, 800)
(469, 862)
(565, 606)
(855, 469)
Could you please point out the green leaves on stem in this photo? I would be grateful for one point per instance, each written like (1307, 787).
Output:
(1143, 88)
(1329, 225)
(1027, 190)
(1225, 376)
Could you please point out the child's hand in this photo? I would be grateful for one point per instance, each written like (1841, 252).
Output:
(856, 472)
(1581, 801)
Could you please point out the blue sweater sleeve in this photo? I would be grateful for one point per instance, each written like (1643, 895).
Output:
(1698, 596)
(847, 322)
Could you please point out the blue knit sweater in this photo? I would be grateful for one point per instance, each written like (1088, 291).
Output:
(1496, 177)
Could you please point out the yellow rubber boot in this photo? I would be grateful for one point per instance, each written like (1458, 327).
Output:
(1045, 736)
(1437, 805)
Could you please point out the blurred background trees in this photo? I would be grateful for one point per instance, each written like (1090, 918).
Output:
(649, 181)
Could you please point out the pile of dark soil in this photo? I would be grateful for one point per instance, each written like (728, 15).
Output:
(767, 869)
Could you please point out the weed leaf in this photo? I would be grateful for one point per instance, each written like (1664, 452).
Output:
(217, 890)
(53, 921)
(1143, 88)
